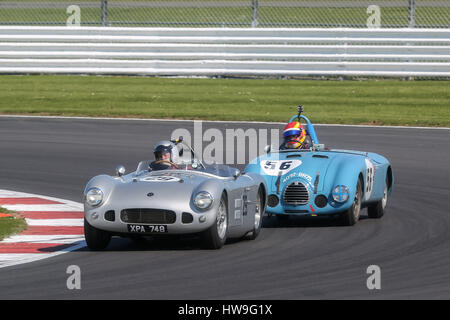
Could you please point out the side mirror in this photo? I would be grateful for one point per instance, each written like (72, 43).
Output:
(120, 171)
(267, 148)
(236, 173)
(318, 147)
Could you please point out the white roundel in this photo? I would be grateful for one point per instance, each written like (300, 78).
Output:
(274, 167)
(370, 175)
(161, 179)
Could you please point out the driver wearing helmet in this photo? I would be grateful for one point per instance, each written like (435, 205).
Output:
(164, 156)
(295, 137)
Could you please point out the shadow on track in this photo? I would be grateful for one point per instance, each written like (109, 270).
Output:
(193, 242)
(304, 222)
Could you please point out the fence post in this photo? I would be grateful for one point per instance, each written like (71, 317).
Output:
(412, 13)
(104, 13)
(254, 13)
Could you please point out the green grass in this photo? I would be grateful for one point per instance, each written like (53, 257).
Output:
(230, 15)
(383, 102)
(10, 225)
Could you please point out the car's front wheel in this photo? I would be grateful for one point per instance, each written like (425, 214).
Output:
(351, 216)
(96, 239)
(216, 236)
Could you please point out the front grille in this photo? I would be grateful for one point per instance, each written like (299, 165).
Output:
(148, 216)
(296, 194)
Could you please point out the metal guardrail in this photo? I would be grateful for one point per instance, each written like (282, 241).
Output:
(225, 51)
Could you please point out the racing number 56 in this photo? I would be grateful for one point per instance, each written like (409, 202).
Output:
(283, 166)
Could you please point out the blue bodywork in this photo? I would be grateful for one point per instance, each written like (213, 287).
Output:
(323, 172)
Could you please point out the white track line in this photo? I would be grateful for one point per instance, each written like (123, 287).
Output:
(63, 238)
(11, 259)
(217, 121)
(42, 207)
(14, 194)
(55, 222)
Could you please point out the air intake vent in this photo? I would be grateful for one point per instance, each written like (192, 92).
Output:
(186, 217)
(296, 194)
(147, 216)
(110, 215)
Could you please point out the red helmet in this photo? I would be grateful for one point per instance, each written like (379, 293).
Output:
(294, 135)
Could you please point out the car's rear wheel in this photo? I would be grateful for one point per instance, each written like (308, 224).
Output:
(377, 211)
(351, 216)
(96, 239)
(216, 236)
(259, 213)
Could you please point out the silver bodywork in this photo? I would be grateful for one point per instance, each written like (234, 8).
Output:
(174, 190)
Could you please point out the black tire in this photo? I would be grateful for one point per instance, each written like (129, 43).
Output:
(215, 237)
(260, 206)
(351, 216)
(377, 210)
(96, 239)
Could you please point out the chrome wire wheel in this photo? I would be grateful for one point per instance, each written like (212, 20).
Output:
(258, 211)
(385, 197)
(222, 219)
(351, 215)
(357, 204)
(377, 210)
(216, 235)
(258, 215)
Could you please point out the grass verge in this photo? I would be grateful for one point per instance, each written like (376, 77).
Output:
(10, 225)
(217, 15)
(380, 102)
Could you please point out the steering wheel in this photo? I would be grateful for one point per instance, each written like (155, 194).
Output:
(167, 162)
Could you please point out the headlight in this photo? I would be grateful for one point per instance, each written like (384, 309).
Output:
(94, 197)
(340, 194)
(203, 200)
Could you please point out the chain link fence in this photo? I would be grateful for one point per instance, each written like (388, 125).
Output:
(229, 13)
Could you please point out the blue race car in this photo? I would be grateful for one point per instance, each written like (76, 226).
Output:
(316, 181)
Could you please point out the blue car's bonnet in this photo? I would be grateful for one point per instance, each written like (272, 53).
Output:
(304, 166)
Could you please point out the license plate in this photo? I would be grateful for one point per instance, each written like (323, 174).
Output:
(141, 228)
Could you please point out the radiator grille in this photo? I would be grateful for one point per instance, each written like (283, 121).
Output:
(144, 215)
(296, 194)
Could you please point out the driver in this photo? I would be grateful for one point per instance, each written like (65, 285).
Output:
(164, 156)
(295, 137)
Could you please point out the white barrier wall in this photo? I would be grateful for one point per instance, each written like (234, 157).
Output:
(223, 51)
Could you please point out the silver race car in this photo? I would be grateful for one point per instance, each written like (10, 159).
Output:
(175, 195)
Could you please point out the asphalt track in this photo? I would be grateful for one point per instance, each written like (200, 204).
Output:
(305, 259)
